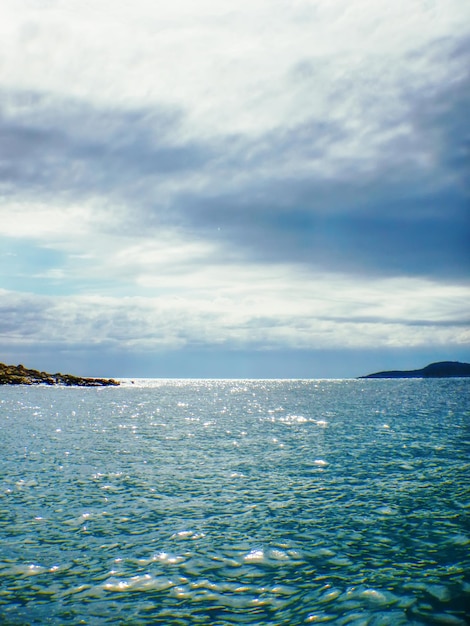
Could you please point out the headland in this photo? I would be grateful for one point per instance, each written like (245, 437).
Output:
(20, 375)
(442, 369)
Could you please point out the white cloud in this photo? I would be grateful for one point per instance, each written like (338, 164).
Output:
(229, 65)
(189, 290)
(242, 306)
(43, 222)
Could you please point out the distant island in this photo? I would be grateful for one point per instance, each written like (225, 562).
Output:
(20, 375)
(443, 369)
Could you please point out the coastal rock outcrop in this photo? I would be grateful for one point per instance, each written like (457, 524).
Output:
(442, 369)
(20, 375)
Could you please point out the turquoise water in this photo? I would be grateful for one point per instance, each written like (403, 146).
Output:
(236, 502)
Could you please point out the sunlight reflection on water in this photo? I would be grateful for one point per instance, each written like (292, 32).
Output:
(236, 502)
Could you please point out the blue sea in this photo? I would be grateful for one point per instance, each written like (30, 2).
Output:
(183, 502)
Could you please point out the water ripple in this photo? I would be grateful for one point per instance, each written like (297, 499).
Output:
(236, 502)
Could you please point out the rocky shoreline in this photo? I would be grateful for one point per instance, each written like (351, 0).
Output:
(20, 375)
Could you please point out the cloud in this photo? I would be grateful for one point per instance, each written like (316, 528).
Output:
(224, 64)
(397, 205)
(242, 175)
(257, 308)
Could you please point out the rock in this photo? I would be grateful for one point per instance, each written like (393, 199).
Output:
(20, 375)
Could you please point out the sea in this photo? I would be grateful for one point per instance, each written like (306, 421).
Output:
(227, 502)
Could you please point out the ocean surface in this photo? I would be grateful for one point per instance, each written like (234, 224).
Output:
(236, 502)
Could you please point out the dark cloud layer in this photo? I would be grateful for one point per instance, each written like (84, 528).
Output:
(270, 198)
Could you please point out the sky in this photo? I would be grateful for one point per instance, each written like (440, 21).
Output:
(234, 189)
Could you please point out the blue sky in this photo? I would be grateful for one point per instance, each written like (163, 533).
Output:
(234, 189)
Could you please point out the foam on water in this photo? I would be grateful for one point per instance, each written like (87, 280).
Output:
(236, 502)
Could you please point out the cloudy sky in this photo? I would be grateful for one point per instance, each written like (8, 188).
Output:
(234, 189)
